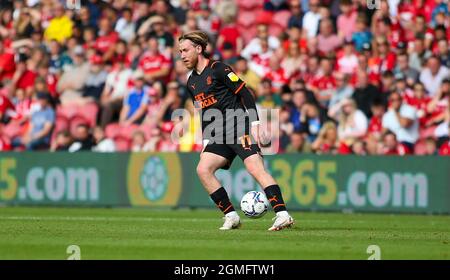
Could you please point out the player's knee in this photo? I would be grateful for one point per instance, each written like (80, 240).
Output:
(255, 170)
(204, 170)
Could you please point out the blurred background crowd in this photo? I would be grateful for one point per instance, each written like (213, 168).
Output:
(347, 77)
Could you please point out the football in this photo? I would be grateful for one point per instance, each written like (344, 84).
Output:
(254, 204)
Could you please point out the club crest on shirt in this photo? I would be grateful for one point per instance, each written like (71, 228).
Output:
(233, 77)
(208, 80)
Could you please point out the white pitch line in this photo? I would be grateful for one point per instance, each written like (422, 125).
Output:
(111, 219)
(103, 219)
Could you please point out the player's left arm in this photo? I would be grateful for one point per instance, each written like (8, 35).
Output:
(237, 86)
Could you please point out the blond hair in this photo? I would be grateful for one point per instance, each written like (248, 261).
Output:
(197, 37)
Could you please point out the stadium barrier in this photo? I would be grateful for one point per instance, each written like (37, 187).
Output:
(319, 183)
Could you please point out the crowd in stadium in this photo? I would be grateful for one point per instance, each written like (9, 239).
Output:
(348, 77)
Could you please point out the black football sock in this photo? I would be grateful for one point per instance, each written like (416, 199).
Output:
(275, 198)
(220, 198)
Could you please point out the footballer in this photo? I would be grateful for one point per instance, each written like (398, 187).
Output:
(214, 87)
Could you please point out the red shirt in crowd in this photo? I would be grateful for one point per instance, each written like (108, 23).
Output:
(103, 43)
(4, 145)
(420, 104)
(5, 105)
(230, 34)
(400, 150)
(323, 82)
(26, 80)
(278, 78)
(150, 63)
(7, 65)
(444, 150)
(375, 126)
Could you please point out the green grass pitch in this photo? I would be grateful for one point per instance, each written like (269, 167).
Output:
(127, 233)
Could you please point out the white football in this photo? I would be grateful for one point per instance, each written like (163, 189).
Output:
(254, 204)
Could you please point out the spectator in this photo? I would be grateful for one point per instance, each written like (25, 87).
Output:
(311, 120)
(347, 62)
(327, 140)
(323, 84)
(125, 26)
(364, 93)
(404, 69)
(430, 147)
(164, 38)
(346, 22)
(362, 36)
(261, 44)
(60, 27)
(327, 40)
(375, 127)
(156, 67)
(62, 142)
(83, 139)
(292, 61)
(296, 18)
(352, 123)
(95, 81)
(251, 79)
(106, 40)
(102, 144)
(41, 125)
(230, 34)
(276, 74)
(419, 54)
(312, 18)
(298, 100)
(298, 144)
(138, 142)
(359, 148)
(433, 75)
(444, 149)
(7, 109)
(267, 98)
(135, 102)
(7, 64)
(116, 87)
(208, 21)
(343, 90)
(391, 146)
(165, 143)
(401, 119)
(444, 52)
(71, 83)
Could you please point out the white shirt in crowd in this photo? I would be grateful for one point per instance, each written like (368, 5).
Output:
(254, 47)
(311, 23)
(118, 81)
(356, 125)
(432, 83)
(391, 122)
(105, 146)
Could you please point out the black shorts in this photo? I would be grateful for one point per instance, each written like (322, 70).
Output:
(229, 151)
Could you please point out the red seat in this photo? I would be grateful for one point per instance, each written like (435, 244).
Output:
(127, 131)
(247, 33)
(75, 122)
(89, 112)
(420, 148)
(275, 30)
(246, 19)
(12, 130)
(112, 130)
(281, 18)
(122, 144)
(67, 111)
(250, 4)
